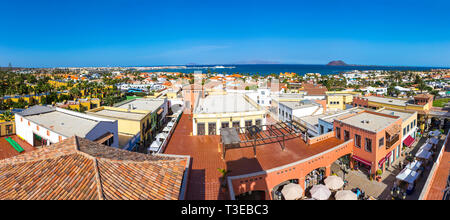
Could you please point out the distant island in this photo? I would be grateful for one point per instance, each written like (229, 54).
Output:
(337, 63)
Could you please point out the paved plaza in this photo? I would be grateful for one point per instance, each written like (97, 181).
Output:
(381, 190)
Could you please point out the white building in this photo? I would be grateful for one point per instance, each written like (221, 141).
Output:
(288, 110)
(376, 90)
(261, 97)
(41, 126)
(145, 87)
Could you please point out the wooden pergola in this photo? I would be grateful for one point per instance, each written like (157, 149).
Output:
(255, 135)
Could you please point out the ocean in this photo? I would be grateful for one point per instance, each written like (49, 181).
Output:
(301, 69)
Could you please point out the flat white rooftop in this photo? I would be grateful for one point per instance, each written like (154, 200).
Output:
(143, 104)
(229, 103)
(300, 105)
(384, 100)
(63, 123)
(403, 115)
(369, 121)
(120, 114)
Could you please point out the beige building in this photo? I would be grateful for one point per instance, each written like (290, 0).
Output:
(139, 120)
(232, 110)
(338, 100)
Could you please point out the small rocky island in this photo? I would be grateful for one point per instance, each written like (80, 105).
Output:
(337, 63)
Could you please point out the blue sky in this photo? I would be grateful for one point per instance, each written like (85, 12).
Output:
(45, 33)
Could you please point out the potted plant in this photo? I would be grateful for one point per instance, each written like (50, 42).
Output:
(378, 177)
(223, 179)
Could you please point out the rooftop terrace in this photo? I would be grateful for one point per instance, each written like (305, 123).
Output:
(204, 179)
(224, 104)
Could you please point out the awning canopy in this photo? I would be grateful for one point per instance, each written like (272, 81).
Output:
(414, 166)
(385, 158)
(362, 160)
(408, 141)
(407, 175)
(426, 147)
(433, 140)
(423, 154)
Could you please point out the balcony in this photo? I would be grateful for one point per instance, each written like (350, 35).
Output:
(390, 141)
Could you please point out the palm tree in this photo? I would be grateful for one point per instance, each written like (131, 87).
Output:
(6, 116)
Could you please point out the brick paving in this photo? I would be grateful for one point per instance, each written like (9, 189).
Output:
(381, 190)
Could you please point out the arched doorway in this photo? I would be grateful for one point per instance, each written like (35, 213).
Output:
(314, 177)
(341, 166)
(276, 191)
(252, 195)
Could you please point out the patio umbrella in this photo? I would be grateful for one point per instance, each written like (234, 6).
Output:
(345, 195)
(292, 191)
(334, 182)
(320, 192)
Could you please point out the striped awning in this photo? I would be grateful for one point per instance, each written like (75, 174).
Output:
(385, 158)
(362, 160)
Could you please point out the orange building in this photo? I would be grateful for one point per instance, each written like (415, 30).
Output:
(376, 136)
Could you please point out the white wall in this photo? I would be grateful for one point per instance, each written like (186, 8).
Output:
(26, 131)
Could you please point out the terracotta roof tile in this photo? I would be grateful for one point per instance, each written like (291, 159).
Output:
(79, 169)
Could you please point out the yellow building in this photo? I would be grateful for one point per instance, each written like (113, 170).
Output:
(57, 83)
(231, 110)
(7, 128)
(130, 122)
(142, 117)
(338, 100)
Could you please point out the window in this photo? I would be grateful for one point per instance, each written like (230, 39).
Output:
(404, 131)
(321, 129)
(201, 129)
(381, 142)
(236, 124)
(225, 124)
(248, 123)
(9, 129)
(212, 128)
(258, 122)
(346, 135)
(407, 130)
(338, 132)
(368, 145)
(357, 141)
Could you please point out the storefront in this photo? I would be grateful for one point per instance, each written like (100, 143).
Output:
(385, 161)
(315, 177)
(361, 164)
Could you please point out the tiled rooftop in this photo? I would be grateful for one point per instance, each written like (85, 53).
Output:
(79, 169)
(204, 178)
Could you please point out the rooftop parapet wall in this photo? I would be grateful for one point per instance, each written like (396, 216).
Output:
(320, 138)
(425, 194)
(266, 180)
